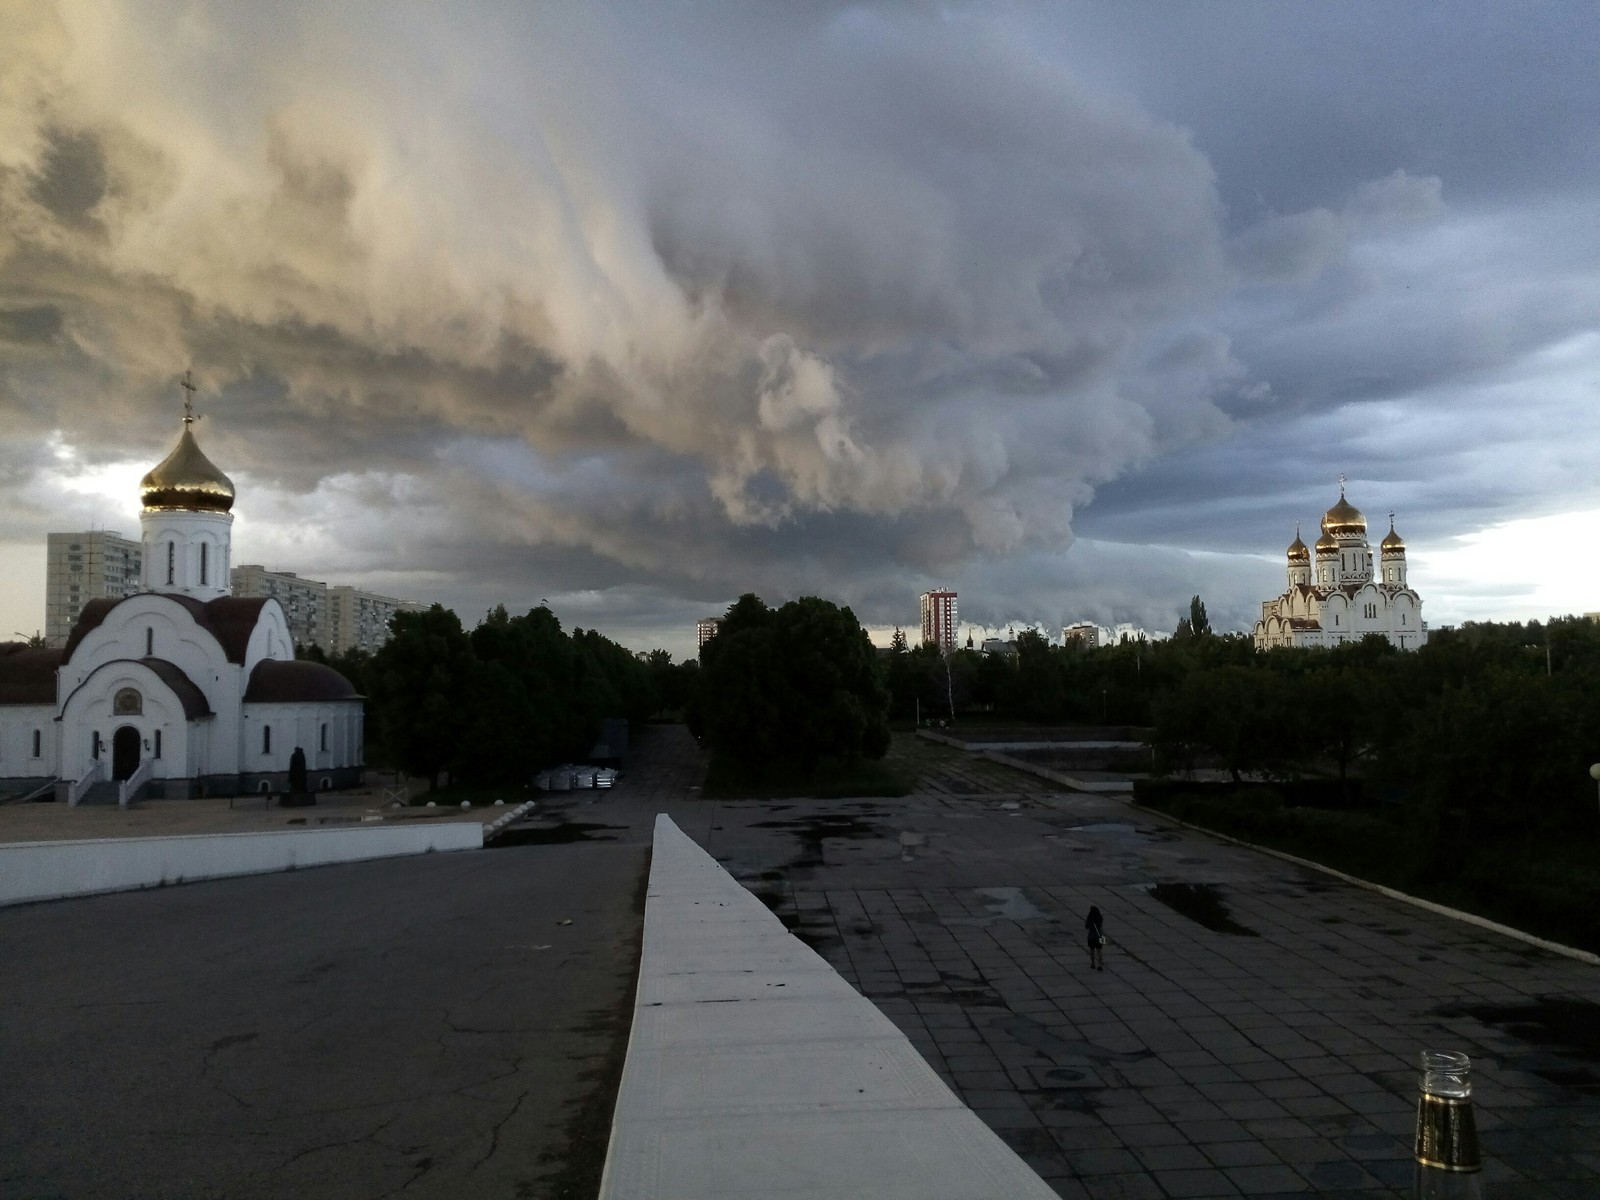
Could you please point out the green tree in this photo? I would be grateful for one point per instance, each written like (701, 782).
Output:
(785, 689)
(420, 688)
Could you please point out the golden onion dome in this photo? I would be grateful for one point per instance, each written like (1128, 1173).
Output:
(1298, 551)
(1344, 519)
(1392, 542)
(1327, 544)
(186, 480)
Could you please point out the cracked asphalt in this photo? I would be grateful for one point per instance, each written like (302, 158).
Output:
(417, 1027)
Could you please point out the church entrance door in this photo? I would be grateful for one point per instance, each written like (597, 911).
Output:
(124, 752)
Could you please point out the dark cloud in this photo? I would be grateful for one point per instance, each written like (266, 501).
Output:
(1076, 309)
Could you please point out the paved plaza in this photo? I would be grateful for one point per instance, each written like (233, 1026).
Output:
(1276, 1059)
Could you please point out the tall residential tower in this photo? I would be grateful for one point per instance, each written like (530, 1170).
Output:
(939, 619)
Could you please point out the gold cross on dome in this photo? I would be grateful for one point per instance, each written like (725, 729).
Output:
(187, 384)
(1341, 483)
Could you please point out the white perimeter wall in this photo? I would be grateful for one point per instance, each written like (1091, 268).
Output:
(53, 870)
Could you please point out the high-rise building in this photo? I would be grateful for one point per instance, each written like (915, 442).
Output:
(939, 619)
(1085, 635)
(705, 629)
(359, 620)
(94, 565)
(304, 601)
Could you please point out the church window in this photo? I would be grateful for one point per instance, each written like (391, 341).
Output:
(204, 560)
(94, 744)
(149, 642)
(1402, 618)
(127, 703)
(37, 738)
(158, 743)
(266, 739)
(172, 561)
(323, 737)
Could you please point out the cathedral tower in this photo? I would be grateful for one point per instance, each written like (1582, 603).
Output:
(185, 522)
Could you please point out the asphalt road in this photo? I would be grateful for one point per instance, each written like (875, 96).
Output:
(418, 1027)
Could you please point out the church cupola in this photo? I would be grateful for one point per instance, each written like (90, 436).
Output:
(1392, 551)
(1299, 562)
(185, 521)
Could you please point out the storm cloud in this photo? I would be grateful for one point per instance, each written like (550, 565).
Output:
(648, 306)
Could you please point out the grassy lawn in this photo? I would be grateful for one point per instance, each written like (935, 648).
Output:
(1549, 888)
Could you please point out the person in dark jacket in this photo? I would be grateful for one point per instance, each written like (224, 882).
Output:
(1094, 924)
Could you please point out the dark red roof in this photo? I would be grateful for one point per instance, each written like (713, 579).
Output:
(229, 619)
(193, 699)
(278, 682)
(27, 674)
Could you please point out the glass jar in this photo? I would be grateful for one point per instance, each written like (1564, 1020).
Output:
(1448, 1163)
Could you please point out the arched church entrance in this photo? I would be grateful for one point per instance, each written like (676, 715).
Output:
(124, 752)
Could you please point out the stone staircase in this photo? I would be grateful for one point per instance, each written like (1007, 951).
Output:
(104, 792)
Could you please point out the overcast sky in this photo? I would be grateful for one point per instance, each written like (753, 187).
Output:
(1077, 308)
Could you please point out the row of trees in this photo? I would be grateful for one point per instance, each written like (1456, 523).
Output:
(1491, 727)
(1488, 730)
(492, 705)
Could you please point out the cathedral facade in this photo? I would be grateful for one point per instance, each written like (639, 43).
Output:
(1335, 595)
(181, 689)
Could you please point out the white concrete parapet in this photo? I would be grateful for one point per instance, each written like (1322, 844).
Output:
(755, 1070)
(53, 870)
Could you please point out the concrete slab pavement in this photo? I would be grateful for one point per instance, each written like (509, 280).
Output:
(755, 1070)
(1273, 1060)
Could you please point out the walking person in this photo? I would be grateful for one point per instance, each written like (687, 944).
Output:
(1094, 924)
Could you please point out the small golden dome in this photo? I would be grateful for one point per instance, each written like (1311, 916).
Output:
(1344, 519)
(1392, 542)
(186, 480)
(1298, 551)
(1327, 544)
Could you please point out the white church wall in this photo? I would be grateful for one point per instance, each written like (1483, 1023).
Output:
(270, 639)
(89, 711)
(18, 725)
(147, 621)
(302, 725)
(173, 559)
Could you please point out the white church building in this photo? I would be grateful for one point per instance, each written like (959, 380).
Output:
(181, 689)
(1340, 598)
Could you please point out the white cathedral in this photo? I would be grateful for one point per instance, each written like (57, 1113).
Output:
(1345, 601)
(182, 689)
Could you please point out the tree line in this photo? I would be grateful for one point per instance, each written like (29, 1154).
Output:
(1488, 729)
(493, 705)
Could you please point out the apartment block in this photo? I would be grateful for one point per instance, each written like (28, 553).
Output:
(939, 619)
(359, 620)
(79, 567)
(304, 601)
(1085, 635)
(705, 629)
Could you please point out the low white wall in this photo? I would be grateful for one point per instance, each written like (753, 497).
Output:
(53, 870)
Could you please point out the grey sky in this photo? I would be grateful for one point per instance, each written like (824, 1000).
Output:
(636, 307)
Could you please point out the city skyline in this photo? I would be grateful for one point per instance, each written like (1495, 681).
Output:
(1071, 309)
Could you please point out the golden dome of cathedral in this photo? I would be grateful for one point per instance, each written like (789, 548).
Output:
(186, 480)
(1392, 542)
(1297, 550)
(1344, 520)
